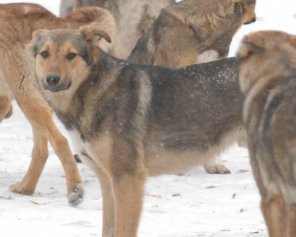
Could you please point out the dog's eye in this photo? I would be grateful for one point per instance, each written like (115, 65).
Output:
(71, 56)
(44, 54)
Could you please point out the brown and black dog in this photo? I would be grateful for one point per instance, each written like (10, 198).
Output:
(268, 80)
(132, 121)
(17, 22)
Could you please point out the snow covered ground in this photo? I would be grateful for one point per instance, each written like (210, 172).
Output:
(191, 205)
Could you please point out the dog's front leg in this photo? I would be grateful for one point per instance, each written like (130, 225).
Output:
(128, 199)
(275, 214)
(108, 203)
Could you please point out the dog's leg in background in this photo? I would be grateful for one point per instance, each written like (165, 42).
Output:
(39, 156)
(213, 166)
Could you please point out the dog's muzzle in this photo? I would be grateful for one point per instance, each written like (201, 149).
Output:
(54, 83)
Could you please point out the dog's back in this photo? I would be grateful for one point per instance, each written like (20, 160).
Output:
(268, 79)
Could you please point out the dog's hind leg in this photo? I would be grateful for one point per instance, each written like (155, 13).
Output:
(39, 156)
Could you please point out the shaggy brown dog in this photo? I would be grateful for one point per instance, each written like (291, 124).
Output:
(17, 22)
(268, 80)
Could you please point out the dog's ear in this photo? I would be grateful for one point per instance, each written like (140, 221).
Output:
(238, 7)
(94, 35)
(32, 46)
(253, 43)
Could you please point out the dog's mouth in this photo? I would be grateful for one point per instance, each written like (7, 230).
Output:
(250, 21)
(57, 87)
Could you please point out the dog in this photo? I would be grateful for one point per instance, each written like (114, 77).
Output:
(268, 81)
(18, 21)
(132, 121)
(193, 31)
(133, 18)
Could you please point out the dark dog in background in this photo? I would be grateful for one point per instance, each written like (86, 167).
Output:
(268, 80)
(132, 121)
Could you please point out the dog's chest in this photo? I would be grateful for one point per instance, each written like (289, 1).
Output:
(95, 153)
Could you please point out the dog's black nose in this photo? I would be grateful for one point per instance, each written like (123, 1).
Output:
(52, 79)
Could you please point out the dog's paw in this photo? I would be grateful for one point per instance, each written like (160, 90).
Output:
(76, 197)
(18, 187)
(216, 169)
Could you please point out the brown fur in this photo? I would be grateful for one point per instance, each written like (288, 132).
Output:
(193, 31)
(133, 18)
(16, 69)
(132, 121)
(268, 80)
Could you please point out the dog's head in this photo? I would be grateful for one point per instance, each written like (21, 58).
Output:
(266, 54)
(63, 57)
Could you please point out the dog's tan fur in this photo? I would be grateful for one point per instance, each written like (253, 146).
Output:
(17, 22)
(131, 121)
(268, 80)
(133, 18)
(193, 31)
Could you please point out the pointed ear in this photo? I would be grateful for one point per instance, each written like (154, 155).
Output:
(238, 7)
(253, 43)
(94, 35)
(35, 37)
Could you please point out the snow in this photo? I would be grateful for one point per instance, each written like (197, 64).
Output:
(189, 205)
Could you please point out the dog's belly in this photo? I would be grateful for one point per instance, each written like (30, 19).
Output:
(171, 159)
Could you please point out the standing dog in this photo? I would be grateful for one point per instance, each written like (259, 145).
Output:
(268, 80)
(131, 121)
(17, 22)
(193, 31)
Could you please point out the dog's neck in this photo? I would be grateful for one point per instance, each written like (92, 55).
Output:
(93, 97)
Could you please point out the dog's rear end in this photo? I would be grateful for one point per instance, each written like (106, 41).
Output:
(268, 79)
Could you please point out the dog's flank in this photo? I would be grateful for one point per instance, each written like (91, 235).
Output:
(185, 30)
(16, 66)
(268, 80)
(133, 121)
